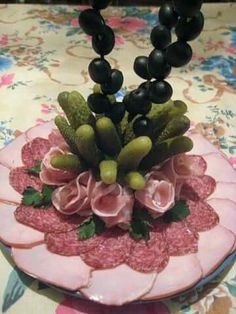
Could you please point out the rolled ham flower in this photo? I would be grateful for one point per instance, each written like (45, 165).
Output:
(75, 197)
(53, 176)
(158, 196)
(113, 204)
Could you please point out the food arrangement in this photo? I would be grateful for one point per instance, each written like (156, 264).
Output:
(117, 194)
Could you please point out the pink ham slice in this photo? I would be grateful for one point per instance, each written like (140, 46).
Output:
(20, 179)
(118, 286)
(225, 190)
(46, 220)
(41, 130)
(34, 151)
(213, 247)
(7, 193)
(66, 272)
(15, 234)
(171, 280)
(219, 168)
(10, 156)
(201, 145)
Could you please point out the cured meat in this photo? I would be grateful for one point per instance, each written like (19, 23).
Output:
(10, 156)
(69, 244)
(19, 179)
(41, 130)
(201, 145)
(34, 151)
(226, 211)
(150, 256)
(225, 190)
(46, 220)
(111, 252)
(189, 165)
(213, 247)
(196, 188)
(118, 285)
(181, 239)
(172, 281)
(66, 272)
(7, 193)
(202, 216)
(219, 168)
(15, 234)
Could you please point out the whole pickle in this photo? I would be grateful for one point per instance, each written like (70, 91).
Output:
(135, 180)
(108, 171)
(68, 162)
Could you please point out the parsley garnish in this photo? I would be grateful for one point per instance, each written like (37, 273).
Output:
(36, 169)
(140, 224)
(32, 197)
(90, 228)
(177, 213)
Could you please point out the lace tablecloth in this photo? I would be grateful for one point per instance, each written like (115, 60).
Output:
(43, 52)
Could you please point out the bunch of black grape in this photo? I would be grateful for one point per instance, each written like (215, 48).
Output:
(110, 80)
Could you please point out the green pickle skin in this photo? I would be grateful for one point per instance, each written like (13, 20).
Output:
(135, 180)
(108, 171)
(67, 162)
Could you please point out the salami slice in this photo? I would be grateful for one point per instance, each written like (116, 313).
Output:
(34, 151)
(149, 256)
(68, 243)
(197, 188)
(111, 252)
(46, 220)
(202, 216)
(193, 165)
(20, 179)
(181, 239)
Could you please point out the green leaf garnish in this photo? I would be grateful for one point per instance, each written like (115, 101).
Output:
(140, 224)
(177, 213)
(32, 197)
(90, 228)
(36, 169)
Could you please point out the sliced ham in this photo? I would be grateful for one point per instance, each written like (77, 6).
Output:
(172, 279)
(7, 193)
(15, 234)
(34, 151)
(201, 145)
(213, 247)
(66, 272)
(225, 190)
(41, 130)
(118, 286)
(10, 156)
(219, 168)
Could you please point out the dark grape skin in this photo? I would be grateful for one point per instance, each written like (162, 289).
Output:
(99, 70)
(142, 126)
(179, 54)
(160, 37)
(188, 8)
(114, 84)
(188, 29)
(141, 67)
(98, 103)
(99, 4)
(168, 16)
(116, 112)
(160, 92)
(91, 22)
(104, 42)
(137, 102)
(157, 65)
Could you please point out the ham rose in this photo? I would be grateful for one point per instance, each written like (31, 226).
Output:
(113, 204)
(157, 196)
(52, 176)
(75, 196)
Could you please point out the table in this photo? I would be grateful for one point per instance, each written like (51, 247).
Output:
(43, 52)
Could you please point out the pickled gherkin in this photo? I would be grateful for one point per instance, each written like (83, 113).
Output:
(165, 150)
(109, 140)
(135, 180)
(178, 108)
(87, 145)
(108, 171)
(68, 162)
(68, 133)
(133, 153)
(128, 133)
(177, 126)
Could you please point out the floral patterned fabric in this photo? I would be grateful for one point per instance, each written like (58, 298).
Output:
(43, 52)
